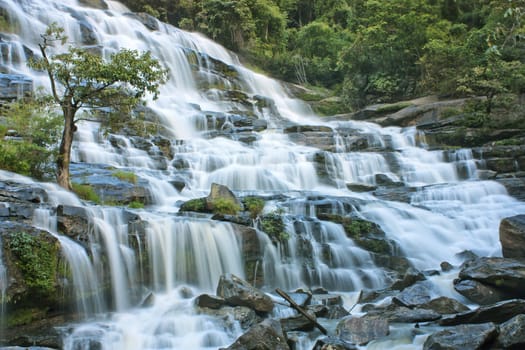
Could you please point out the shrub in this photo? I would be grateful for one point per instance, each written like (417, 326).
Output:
(254, 205)
(136, 205)
(274, 227)
(25, 158)
(225, 206)
(126, 176)
(85, 192)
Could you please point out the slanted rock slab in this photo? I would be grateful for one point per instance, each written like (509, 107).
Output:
(462, 337)
(237, 292)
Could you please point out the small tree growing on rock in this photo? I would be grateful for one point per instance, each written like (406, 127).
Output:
(80, 79)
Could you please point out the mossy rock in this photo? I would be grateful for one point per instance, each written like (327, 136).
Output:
(273, 225)
(34, 260)
(198, 205)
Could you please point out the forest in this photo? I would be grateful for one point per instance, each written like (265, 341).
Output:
(368, 51)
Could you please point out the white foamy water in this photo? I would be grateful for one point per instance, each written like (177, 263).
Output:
(449, 210)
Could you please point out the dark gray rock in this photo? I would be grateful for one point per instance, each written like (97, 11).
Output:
(414, 295)
(238, 292)
(73, 222)
(229, 316)
(480, 293)
(401, 314)
(445, 305)
(209, 301)
(297, 323)
(362, 330)
(267, 335)
(512, 333)
(512, 236)
(506, 275)
(497, 313)
(462, 337)
(336, 312)
(333, 343)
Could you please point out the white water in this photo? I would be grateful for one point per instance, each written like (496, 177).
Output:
(450, 211)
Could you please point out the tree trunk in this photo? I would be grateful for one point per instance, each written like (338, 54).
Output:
(64, 152)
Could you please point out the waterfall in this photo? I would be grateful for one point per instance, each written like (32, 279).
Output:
(245, 131)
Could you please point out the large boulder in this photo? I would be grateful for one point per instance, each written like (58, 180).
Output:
(267, 335)
(497, 313)
(504, 275)
(463, 337)
(220, 193)
(480, 293)
(333, 343)
(237, 292)
(362, 330)
(512, 333)
(512, 237)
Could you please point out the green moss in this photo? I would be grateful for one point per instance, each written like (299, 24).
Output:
(125, 176)
(357, 227)
(197, 204)
(37, 258)
(24, 316)
(273, 225)
(254, 205)
(136, 205)
(393, 107)
(225, 206)
(86, 192)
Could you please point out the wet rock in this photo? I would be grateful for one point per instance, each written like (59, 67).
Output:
(411, 276)
(15, 86)
(505, 275)
(327, 299)
(480, 293)
(97, 4)
(385, 180)
(267, 335)
(512, 333)
(462, 337)
(238, 292)
(229, 315)
(209, 301)
(413, 296)
(497, 313)
(362, 330)
(147, 20)
(401, 314)
(73, 222)
(445, 305)
(512, 236)
(336, 312)
(221, 193)
(297, 323)
(446, 266)
(333, 343)
(301, 298)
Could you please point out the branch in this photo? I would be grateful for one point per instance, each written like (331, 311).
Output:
(48, 69)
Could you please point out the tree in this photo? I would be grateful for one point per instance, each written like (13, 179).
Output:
(80, 79)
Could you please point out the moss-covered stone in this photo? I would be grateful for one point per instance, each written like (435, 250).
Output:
(197, 205)
(273, 225)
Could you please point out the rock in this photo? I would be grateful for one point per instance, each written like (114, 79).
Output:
(445, 305)
(15, 86)
(267, 335)
(336, 312)
(497, 313)
(301, 298)
(209, 301)
(333, 343)
(362, 330)
(446, 266)
(327, 299)
(479, 292)
(98, 4)
(238, 292)
(462, 337)
(73, 222)
(505, 275)
(229, 316)
(512, 236)
(413, 296)
(401, 314)
(411, 276)
(297, 323)
(512, 333)
(221, 193)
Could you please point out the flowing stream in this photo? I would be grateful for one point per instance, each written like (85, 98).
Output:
(448, 209)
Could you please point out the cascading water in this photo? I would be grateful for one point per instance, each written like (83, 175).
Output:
(448, 210)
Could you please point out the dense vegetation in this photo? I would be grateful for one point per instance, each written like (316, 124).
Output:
(368, 50)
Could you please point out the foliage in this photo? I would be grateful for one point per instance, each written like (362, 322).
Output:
(136, 205)
(37, 259)
(125, 176)
(225, 206)
(254, 205)
(273, 225)
(37, 130)
(80, 78)
(85, 192)
(196, 204)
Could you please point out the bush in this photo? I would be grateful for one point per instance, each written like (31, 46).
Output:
(126, 176)
(25, 158)
(225, 206)
(85, 192)
(254, 205)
